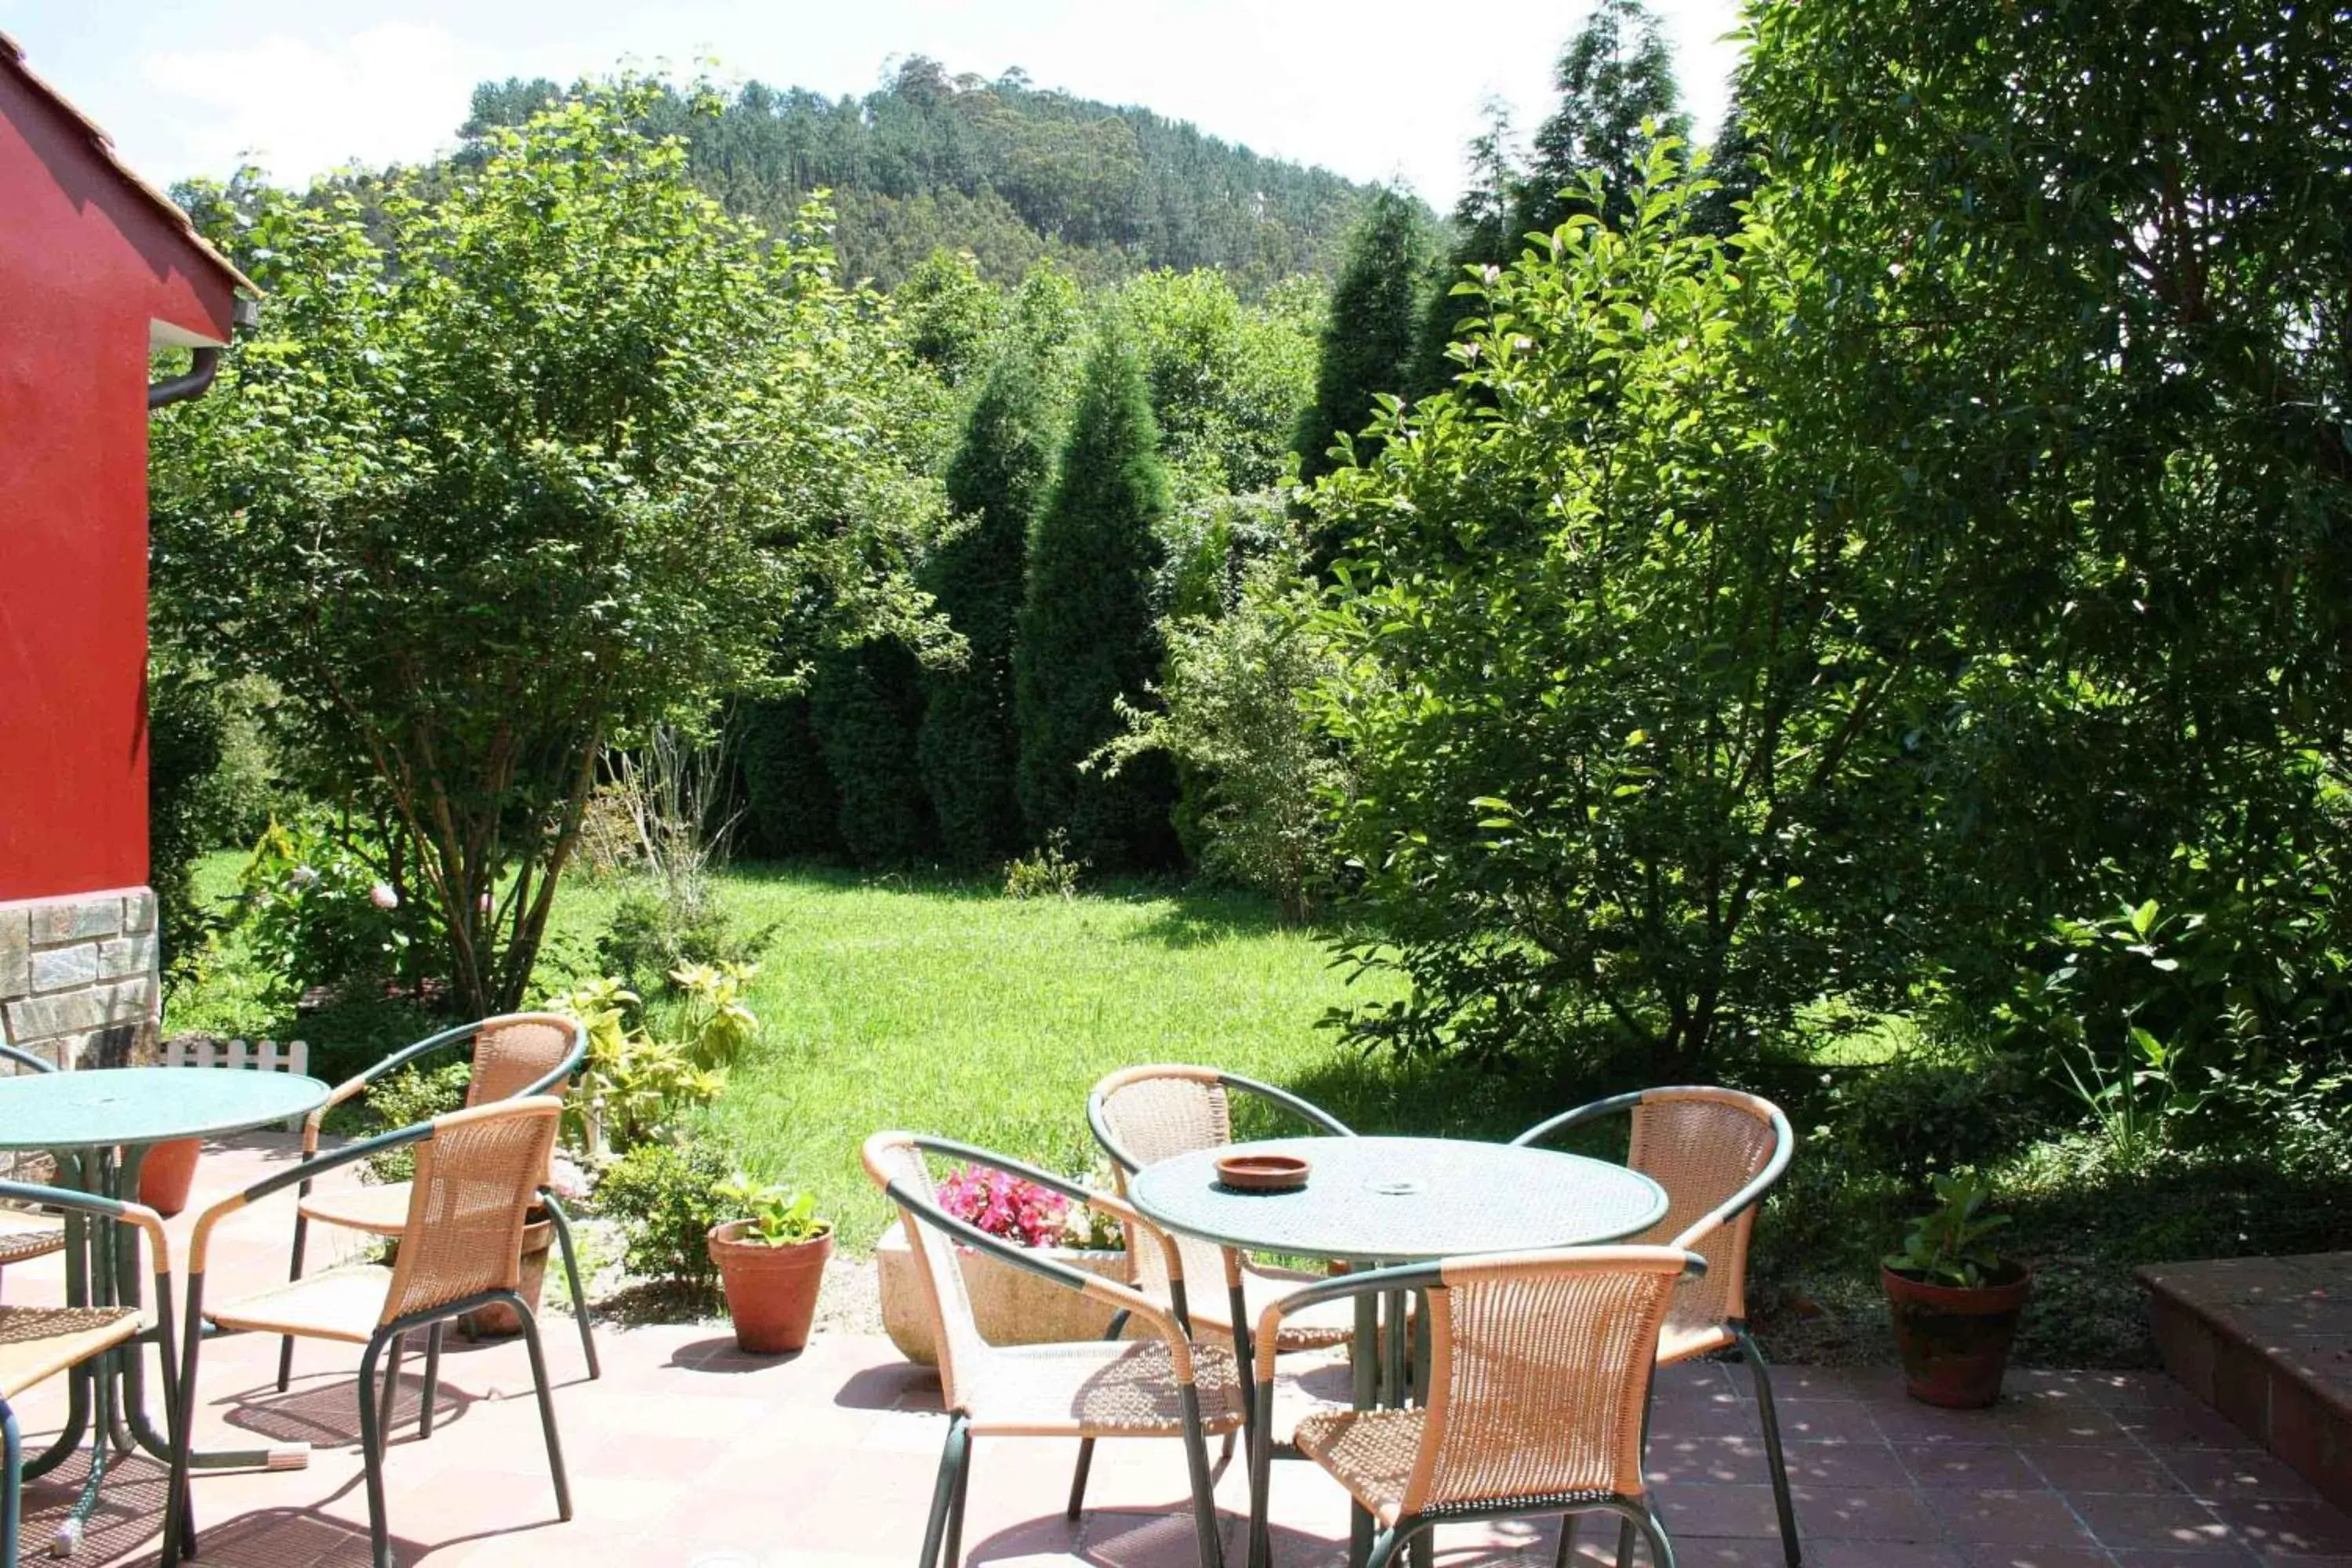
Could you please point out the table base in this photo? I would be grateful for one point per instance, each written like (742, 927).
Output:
(107, 1395)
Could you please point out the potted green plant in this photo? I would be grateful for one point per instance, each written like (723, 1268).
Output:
(770, 1265)
(1955, 1299)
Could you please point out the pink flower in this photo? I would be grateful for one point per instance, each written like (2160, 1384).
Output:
(483, 903)
(382, 897)
(1004, 1205)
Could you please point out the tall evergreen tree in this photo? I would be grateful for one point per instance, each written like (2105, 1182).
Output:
(1482, 237)
(864, 704)
(969, 749)
(1088, 633)
(1369, 336)
(1616, 81)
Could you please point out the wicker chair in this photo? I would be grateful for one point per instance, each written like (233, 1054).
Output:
(1537, 1402)
(517, 1054)
(25, 1237)
(478, 1172)
(36, 1343)
(1715, 1152)
(1142, 1115)
(1165, 1385)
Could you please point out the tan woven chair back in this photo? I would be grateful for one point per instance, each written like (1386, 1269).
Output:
(475, 1178)
(1540, 1372)
(513, 1052)
(894, 1157)
(1156, 1113)
(1702, 1145)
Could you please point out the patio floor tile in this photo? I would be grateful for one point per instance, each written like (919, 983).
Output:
(687, 1454)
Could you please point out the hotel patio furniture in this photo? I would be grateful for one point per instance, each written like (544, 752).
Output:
(97, 1124)
(36, 1343)
(1537, 1401)
(477, 1172)
(1165, 1385)
(1715, 1152)
(1371, 1202)
(514, 1054)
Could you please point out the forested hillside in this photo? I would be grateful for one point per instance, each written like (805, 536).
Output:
(1010, 172)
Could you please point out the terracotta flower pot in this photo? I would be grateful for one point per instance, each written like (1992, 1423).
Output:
(1954, 1339)
(167, 1172)
(498, 1320)
(770, 1291)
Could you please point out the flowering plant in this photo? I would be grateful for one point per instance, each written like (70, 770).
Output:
(1004, 1205)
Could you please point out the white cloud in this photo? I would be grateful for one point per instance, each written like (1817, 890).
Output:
(390, 93)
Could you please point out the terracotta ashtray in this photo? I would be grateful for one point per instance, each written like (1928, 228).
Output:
(1263, 1173)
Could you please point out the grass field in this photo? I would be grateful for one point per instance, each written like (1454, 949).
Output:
(939, 1005)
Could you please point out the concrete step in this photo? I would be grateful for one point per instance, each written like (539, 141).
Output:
(2267, 1342)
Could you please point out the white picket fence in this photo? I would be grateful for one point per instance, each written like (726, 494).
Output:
(266, 1056)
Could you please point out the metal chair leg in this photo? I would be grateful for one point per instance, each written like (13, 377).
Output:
(1086, 1444)
(391, 1388)
(1384, 1547)
(953, 1557)
(432, 1379)
(373, 1423)
(293, 1272)
(952, 1457)
(1662, 1550)
(1773, 1456)
(563, 1222)
(1205, 1496)
(546, 1404)
(1566, 1554)
(12, 1493)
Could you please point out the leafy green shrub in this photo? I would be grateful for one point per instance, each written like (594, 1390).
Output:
(1048, 873)
(666, 1196)
(1927, 1113)
(322, 906)
(406, 1098)
(211, 782)
(1235, 692)
(636, 1080)
(649, 937)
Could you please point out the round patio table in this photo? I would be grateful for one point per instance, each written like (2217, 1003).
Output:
(98, 1123)
(1373, 1201)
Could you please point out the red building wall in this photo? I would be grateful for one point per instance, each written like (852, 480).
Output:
(87, 265)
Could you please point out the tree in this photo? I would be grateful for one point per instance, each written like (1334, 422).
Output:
(545, 456)
(866, 704)
(970, 745)
(1369, 334)
(1618, 99)
(1087, 633)
(1622, 662)
(1225, 380)
(951, 315)
(1234, 711)
(2091, 284)
(1484, 238)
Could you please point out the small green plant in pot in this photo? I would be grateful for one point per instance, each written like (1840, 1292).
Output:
(1956, 1300)
(771, 1263)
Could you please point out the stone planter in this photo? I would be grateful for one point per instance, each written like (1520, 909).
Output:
(1011, 1306)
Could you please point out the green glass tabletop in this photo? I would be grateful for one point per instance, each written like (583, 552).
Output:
(1403, 1200)
(98, 1105)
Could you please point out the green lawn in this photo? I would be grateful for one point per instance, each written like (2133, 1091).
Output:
(939, 1005)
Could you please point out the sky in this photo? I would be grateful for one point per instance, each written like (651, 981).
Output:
(1370, 89)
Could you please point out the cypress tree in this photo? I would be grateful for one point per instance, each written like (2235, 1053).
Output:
(1482, 237)
(1615, 78)
(968, 746)
(791, 809)
(864, 703)
(1369, 336)
(1087, 633)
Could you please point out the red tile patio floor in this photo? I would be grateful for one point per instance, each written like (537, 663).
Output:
(687, 1454)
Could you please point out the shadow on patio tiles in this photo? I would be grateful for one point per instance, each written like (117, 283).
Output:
(328, 1414)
